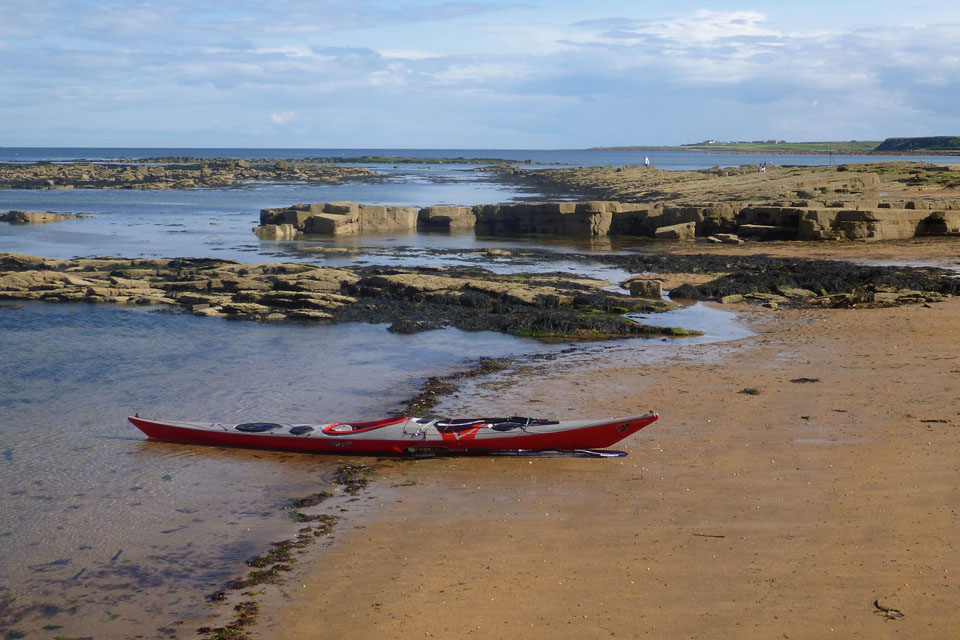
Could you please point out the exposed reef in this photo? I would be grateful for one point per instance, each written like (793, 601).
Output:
(174, 175)
(365, 159)
(37, 217)
(543, 306)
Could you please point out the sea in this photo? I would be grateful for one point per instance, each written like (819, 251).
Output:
(106, 535)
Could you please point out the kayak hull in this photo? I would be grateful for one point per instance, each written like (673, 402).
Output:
(402, 435)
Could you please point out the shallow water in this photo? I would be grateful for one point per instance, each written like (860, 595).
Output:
(717, 325)
(218, 222)
(95, 517)
(210, 222)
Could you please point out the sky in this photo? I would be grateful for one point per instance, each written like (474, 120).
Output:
(473, 74)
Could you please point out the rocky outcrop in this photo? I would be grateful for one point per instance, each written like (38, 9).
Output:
(602, 218)
(547, 307)
(202, 286)
(333, 218)
(682, 231)
(276, 232)
(446, 218)
(643, 287)
(592, 218)
(942, 223)
(374, 218)
(723, 221)
(37, 217)
(876, 224)
(173, 175)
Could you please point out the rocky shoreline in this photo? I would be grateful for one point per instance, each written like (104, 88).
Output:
(196, 174)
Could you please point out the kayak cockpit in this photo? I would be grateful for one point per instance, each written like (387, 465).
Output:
(264, 427)
(301, 430)
(349, 428)
(257, 427)
(497, 424)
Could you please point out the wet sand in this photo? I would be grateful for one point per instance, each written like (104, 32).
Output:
(806, 510)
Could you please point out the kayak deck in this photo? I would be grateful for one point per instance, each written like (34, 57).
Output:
(405, 434)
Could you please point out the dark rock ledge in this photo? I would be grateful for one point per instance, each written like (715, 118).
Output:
(796, 283)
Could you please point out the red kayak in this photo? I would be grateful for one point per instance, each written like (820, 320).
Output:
(405, 435)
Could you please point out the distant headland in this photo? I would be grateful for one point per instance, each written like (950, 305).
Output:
(929, 145)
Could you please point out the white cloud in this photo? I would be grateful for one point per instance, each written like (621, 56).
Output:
(290, 51)
(539, 40)
(408, 54)
(466, 74)
(705, 25)
(283, 117)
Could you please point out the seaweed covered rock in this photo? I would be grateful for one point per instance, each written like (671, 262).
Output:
(797, 282)
(544, 307)
(687, 291)
(829, 277)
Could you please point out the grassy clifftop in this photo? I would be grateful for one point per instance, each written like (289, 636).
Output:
(912, 145)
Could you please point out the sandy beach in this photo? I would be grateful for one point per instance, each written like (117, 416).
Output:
(801, 483)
